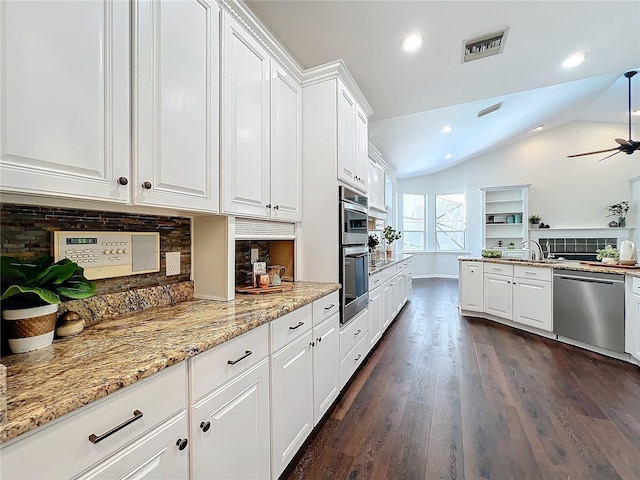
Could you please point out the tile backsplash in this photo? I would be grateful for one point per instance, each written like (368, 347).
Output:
(26, 232)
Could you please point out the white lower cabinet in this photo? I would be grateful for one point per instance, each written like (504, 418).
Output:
(124, 435)
(471, 286)
(632, 317)
(498, 295)
(533, 297)
(352, 350)
(326, 372)
(230, 429)
(353, 359)
(291, 400)
(375, 316)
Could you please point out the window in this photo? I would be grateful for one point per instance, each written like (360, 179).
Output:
(413, 222)
(450, 222)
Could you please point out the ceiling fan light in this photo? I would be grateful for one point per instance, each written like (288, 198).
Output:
(412, 42)
(636, 112)
(574, 60)
(538, 128)
(448, 156)
(446, 129)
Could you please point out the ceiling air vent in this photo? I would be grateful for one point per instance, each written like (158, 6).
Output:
(490, 109)
(484, 45)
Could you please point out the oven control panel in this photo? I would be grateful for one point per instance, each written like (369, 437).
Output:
(109, 254)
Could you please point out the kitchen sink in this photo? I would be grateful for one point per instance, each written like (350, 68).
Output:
(525, 260)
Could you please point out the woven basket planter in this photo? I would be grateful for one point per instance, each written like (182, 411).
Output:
(30, 328)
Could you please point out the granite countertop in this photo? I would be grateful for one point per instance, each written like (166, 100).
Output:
(388, 262)
(560, 265)
(46, 384)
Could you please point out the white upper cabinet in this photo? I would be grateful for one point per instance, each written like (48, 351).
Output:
(286, 145)
(376, 185)
(175, 104)
(64, 104)
(245, 122)
(353, 138)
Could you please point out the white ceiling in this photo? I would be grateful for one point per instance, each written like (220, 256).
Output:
(414, 95)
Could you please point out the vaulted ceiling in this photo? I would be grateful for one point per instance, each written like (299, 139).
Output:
(415, 95)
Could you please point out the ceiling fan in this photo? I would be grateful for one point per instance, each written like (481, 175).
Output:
(626, 146)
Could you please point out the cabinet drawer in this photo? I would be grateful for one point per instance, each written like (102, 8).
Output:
(67, 440)
(324, 307)
(353, 359)
(211, 369)
(377, 279)
(290, 326)
(498, 269)
(538, 273)
(352, 332)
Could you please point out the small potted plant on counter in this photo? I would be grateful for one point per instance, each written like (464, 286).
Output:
(608, 255)
(390, 235)
(372, 243)
(32, 289)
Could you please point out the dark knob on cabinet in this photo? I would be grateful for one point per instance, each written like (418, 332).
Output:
(123, 180)
(277, 207)
(205, 426)
(182, 443)
(268, 205)
(146, 185)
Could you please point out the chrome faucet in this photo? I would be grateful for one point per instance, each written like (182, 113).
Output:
(538, 254)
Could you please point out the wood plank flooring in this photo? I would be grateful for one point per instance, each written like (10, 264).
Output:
(450, 397)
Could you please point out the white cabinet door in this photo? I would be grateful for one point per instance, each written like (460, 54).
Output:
(361, 181)
(497, 295)
(532, 303)
(161, 454)
(291, 400)
(230, 429)
(245, 123)
(633, 342)
(375, 316)
(64, 101)
(471, 287)
(326, 366)
(175, 106)
(286, 145)
(388, 304)
(346, 135)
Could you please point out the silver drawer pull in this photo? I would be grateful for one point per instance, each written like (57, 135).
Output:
(137, 415)
(496, 269)
(530, 273)
(357, 358)
(357, 333)
(246, 354)
(296, 326)
(329, 307)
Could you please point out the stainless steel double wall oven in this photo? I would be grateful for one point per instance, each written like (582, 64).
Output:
(354, 254)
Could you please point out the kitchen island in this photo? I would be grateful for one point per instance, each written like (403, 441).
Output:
(520, 293)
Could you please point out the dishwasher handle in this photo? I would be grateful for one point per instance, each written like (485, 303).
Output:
(589, 280)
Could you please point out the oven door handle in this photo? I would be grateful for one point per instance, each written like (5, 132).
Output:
(356, 207)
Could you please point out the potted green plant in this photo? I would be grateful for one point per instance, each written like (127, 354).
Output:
(390, 235)
(608, 255)
(534, 219)
(619, 210)
(372, 243)
(32, 289)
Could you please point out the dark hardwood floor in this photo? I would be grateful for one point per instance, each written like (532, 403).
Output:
(450, 397)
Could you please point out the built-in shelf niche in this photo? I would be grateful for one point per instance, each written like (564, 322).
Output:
(505, 215)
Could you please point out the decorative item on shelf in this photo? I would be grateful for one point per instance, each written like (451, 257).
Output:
(534, 219)
(500, 243)
(390, 235)
(510, 219)
(69, 324)
(498, 219)
(490, 219)
(543, 225)
(32, 289)
(618, 210)
(511, 245)
(517, 218)
(608, 255)
(276, 273)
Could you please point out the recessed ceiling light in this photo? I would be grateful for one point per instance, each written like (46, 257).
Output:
(538, 128)
(448, 156)
(636, 113)
(412, 42)
(446, 129)
(574, 60)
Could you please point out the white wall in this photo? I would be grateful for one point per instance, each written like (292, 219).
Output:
(565, 192)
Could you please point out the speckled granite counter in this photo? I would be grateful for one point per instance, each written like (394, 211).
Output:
(561, 265)
(46, 384)
(387, 263)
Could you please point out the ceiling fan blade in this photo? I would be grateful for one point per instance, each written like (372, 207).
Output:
(609, 156)
(622, 141)
(629, 75)
(598, 151)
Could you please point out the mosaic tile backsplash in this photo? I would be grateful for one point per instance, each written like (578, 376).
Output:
(26, 232)
(577, 245)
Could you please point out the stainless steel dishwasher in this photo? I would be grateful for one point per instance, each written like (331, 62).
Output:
(589, 307)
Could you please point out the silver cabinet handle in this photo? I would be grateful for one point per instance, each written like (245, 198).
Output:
(246, 354)
(357, 358)
(357, 333)
(296, 326)
(329, 307)
(137, 415)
